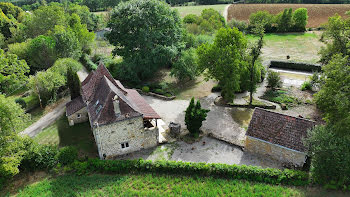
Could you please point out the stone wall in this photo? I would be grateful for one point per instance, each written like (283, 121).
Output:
(283, 154)
(78, 117)
(109, 138)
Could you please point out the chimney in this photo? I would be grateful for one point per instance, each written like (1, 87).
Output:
(116, 105)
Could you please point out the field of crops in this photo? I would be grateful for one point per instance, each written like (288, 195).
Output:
(197, 10)
(318, 13)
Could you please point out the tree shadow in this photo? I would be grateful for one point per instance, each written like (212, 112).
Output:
(79, 135)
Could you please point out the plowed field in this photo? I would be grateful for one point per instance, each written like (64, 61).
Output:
(318, 13)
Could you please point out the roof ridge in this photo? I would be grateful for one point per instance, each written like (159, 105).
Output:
(284, 114)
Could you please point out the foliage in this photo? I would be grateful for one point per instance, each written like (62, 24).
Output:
(145, 89)
(12, 72)
(21, 102)
(6, 23)
(209, 21)
(301, 1)
(263, 18)
(12, 120)
(249, 173)
(67, 155)
(224, 60)
(194, 116)
(19, 49)
(66, 43)
(300, 19)
(148, 39)
(240, 25)
(334, 97)
(186, 67)
(281, 97)
(330, 155)
(284, 20)
(90, 65)
(38, 157)
(295, 66)
(10, 9)
(274, 80)
(336, 38)
(73, 83)
(306, 86)
(41, 52)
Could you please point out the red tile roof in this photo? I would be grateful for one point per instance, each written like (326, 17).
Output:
(74, 106)
(141, 104)
(276, 128)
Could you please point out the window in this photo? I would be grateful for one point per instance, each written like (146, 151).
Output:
(125, 145)
(97, 102)
(78, 115)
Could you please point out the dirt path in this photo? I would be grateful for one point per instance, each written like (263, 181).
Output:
(225, 12)
(46, 120)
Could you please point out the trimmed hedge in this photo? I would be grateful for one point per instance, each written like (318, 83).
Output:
(296, 66)
(250, 173)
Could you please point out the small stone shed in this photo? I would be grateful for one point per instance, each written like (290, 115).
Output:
(121, 120)
(278, 136)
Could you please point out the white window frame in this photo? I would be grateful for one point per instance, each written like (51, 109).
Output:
(125, 145)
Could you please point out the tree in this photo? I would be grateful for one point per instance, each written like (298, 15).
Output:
(254, 54)
(330, 156)
(300, 19)
(334, 97)
(186, 67)
(73, 83)
(41, 52)
(12, 120)
(262, 18)
(194, 117)
(274, 80)
(12, 72)
(284, 20)
(224, 60)
(66, 43)
(147, 34)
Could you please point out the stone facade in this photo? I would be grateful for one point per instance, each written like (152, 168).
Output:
(280, 153)
(78, 117)
(124, 137)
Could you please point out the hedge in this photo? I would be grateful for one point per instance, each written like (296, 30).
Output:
(296, 66)
(249, 173)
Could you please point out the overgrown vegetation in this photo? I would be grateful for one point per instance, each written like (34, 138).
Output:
(281, 97)
(274, 80)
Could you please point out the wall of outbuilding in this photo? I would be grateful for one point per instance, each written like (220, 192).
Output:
(74, 118)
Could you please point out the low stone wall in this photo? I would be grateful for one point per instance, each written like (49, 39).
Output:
(156, 95)
(283, 154)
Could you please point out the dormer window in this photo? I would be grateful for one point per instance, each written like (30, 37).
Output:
(98, 109)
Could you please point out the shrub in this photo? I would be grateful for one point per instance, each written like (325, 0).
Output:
(194, 117)
(67, 155)
(159, 91)
(240, 25)
(249, 173)
(21, 102)
(306, 86)
(274, 80)
(216, 88)
(86, 61)
(296, 66)
(186, 67)
(191, 18)
(145, 89)
(39, 157)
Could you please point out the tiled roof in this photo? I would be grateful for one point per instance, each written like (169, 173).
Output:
(279, 129)
(141, 104)
(74, 105)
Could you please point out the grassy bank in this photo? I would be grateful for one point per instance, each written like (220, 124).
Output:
(151, 185)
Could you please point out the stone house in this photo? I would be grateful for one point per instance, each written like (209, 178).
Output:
(278, 136)
(121, 120)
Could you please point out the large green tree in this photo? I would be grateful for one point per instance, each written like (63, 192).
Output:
(12, 72)
(12, 120)
(147, 34)
(334, 97)
(225, 61)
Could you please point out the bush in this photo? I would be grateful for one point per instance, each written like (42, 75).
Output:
(216, 88)
(240, 25)
(274, 80)
(21, 102)
(249, 173)
(145, 89)
(296, 66)
(186, 67)
(86, 61)
(39, 157)
(159, 91)
(67, 155)
(191, 18)
(306, 86)
(194, 117)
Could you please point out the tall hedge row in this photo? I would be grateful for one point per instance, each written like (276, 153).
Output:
(296, 66)
(250, 173)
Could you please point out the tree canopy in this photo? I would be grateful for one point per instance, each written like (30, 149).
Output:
(147, 34)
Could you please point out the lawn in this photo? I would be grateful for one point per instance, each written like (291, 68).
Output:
(299, 46)
(197, 10)
(151, 185)
(61, 134)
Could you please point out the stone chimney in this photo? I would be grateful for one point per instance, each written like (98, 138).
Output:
(116, 105)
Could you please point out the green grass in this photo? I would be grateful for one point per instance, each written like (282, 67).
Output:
(197, 10)
(61, 134)
(151, 185)
(284, 37)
